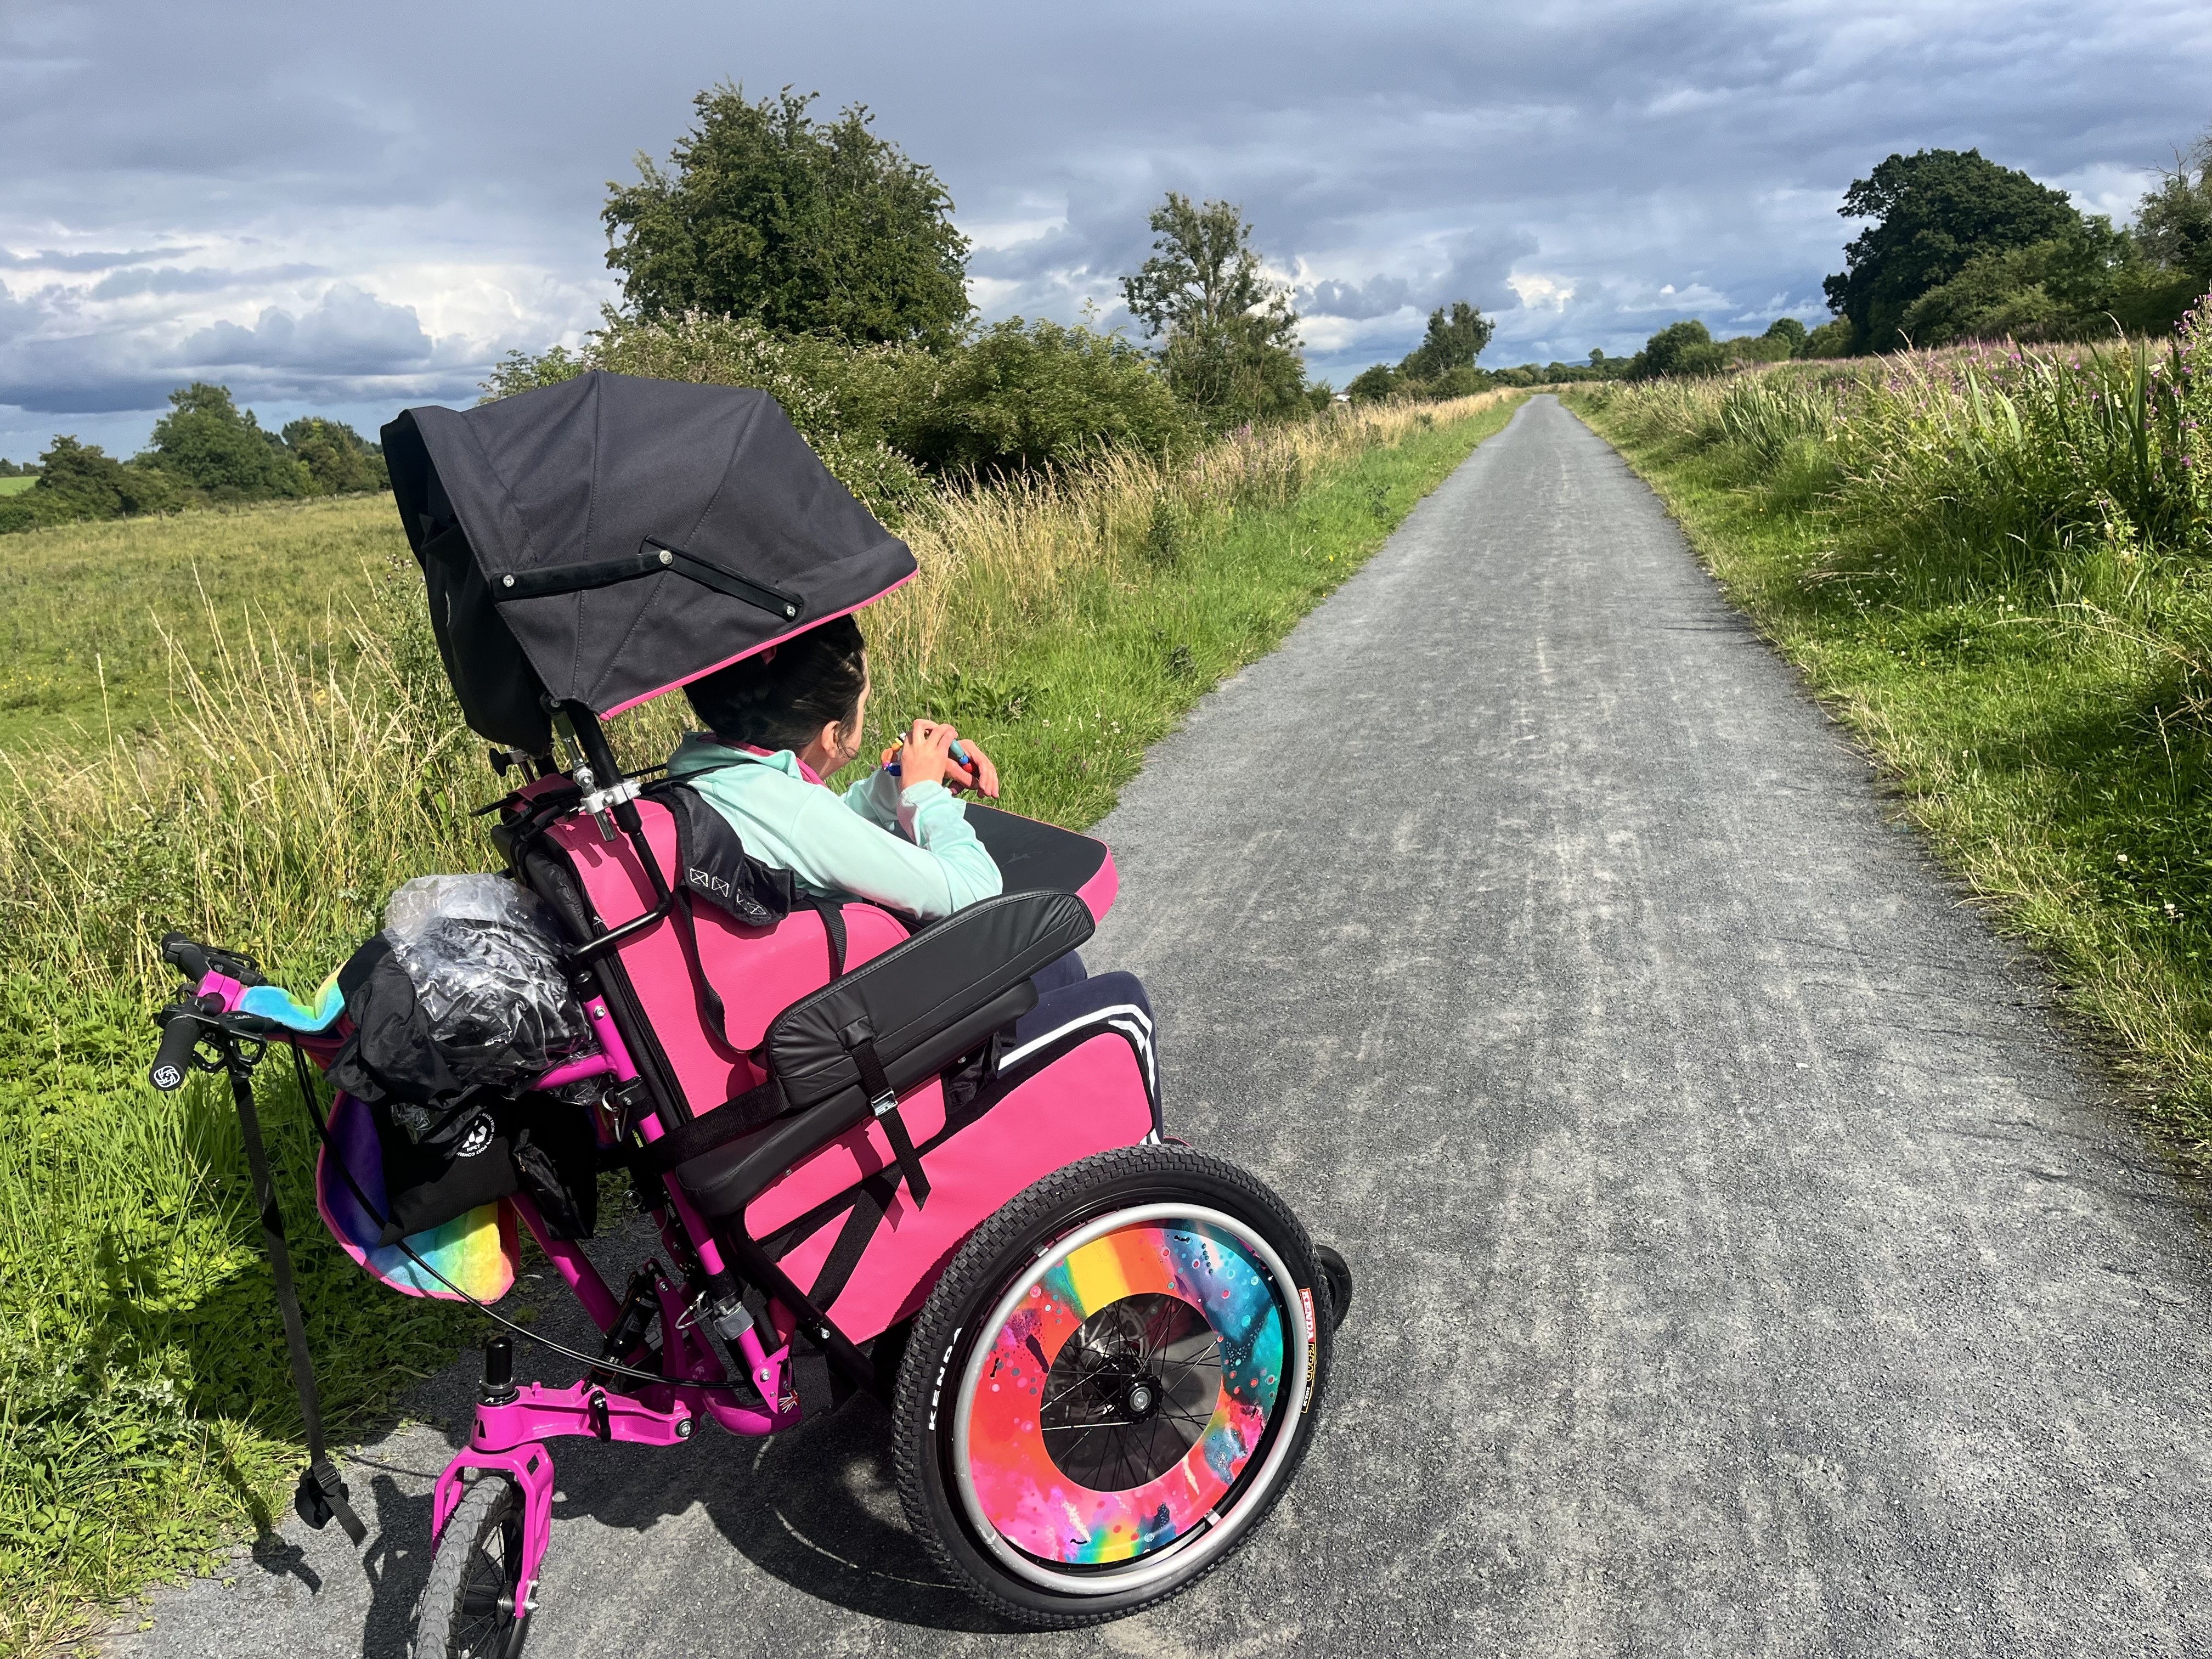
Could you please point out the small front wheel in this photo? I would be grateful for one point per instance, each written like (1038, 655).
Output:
(1111, 1384)
(473, 1607)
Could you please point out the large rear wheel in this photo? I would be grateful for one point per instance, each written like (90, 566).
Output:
(1111, 1384)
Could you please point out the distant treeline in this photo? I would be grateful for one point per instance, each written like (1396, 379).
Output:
(1961, 249)
(206, 452)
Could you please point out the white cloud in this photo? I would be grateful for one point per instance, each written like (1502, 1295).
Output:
(1541, 293)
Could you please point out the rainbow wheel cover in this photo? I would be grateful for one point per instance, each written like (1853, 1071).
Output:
(1127, 1392)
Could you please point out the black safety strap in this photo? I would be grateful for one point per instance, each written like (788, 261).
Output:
(322, 1493)
(833, 928)
(861, 1221)
(860, 1040)
(739, 1115)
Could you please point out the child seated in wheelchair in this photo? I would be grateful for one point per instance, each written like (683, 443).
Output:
(780, 721)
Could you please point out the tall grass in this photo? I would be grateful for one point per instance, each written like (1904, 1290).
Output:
(308, 764)
(1998, 564)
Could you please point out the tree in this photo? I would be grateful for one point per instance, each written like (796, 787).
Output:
(336, 457)
(1681, 349)
(1933, 210)
(1789, 331)
(808, 226)
(1453, 341)
(80, 480)
(2173, 225)
(208, 443)
(1231, 348)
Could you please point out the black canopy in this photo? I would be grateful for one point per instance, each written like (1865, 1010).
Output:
(606, 538)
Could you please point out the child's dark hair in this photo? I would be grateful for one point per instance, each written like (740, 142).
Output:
(783, 699)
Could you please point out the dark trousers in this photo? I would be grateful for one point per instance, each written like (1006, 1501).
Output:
(1069, 997)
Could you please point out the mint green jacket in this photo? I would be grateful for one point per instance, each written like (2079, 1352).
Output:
(909, 850)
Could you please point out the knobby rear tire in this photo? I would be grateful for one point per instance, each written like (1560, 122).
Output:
(943, 1376)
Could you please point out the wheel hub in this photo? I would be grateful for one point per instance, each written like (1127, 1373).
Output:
(1132, 1391)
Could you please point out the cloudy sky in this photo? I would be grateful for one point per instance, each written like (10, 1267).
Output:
(346, 211)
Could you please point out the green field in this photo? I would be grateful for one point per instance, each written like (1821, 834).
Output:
(14, 486)
(275, 749)
(100, 618)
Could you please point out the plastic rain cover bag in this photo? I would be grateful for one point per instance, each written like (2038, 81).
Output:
(481, 952)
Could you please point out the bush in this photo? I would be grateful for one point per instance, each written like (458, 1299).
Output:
(1790, 332)
(203, 450)
(78, 480)
(1372, 385)
(1022, 395)
(1018, 396)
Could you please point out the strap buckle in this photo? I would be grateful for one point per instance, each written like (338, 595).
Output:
(884, 1103)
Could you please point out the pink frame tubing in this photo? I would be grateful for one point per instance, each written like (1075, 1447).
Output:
(508, 1436)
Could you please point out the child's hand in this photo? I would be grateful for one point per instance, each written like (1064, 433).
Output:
(980, 773)
(926, 755)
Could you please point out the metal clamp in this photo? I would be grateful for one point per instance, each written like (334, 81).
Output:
(600, 802)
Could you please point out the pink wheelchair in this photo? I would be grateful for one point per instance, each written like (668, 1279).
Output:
(869, 1171)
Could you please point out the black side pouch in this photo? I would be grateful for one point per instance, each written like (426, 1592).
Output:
(426, 1184)
(389, 1055)
(480, 1146)
(538, 1147)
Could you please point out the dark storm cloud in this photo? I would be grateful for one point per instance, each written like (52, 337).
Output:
(350, 334)
(1585, 172)
(1378, 296)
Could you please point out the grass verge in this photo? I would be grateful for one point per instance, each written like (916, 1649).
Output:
(2012, 636)
(304, 756)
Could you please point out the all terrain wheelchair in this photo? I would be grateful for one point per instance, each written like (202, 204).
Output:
(1101, 1350)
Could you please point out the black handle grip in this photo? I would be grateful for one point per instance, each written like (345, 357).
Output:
(173, 1060)
(186, 958)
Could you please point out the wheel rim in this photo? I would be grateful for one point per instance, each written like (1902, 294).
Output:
(1128, 1396)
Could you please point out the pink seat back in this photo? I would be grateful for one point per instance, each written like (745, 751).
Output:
(756, 972)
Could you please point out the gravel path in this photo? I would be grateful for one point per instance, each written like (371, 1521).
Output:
(1746, 1265)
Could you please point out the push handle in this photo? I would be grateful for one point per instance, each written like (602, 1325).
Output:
(187, 958)
(180, 1035)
